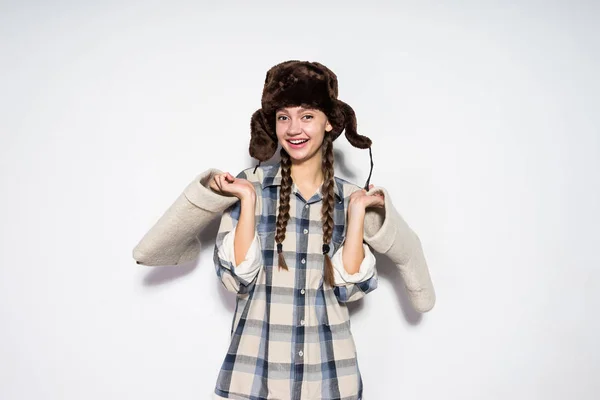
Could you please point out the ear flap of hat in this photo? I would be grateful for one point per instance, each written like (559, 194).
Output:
(263, 143)
(356, 140)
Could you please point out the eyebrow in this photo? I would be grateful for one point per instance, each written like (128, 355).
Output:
(302, 109)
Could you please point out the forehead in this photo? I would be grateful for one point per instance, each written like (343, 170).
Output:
(295, 110)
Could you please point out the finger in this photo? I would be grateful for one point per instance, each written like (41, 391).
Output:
(378, 204)
(376, 199)
(224, 180)
(220, 182)
(213, 184)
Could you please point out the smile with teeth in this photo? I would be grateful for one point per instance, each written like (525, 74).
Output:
(297, 143)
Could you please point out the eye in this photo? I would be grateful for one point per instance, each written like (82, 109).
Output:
(281, 116)
(309, 116)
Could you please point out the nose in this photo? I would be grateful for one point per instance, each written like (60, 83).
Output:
(294, 127)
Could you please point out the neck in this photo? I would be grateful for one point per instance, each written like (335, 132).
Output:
(309, 171)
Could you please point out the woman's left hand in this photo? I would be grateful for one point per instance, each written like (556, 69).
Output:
(360, 200)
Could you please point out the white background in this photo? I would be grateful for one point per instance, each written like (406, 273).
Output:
(485, 128)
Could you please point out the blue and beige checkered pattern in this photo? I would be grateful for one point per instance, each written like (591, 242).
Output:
(290, 337)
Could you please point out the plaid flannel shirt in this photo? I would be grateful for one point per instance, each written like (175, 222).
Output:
(290, 335)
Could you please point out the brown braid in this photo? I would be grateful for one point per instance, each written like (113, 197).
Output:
(328, 203)
(284, 203)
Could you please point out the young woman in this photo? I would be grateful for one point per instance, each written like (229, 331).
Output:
(292, 247)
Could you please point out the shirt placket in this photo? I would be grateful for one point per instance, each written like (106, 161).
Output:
(300, 323)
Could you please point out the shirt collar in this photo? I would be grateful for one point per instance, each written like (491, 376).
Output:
(272, 177)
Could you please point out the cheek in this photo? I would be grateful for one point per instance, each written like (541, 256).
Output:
(317, 133)
(279, 131)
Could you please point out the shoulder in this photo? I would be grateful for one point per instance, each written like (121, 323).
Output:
(251, 175)
(258, 174)
(345, 188)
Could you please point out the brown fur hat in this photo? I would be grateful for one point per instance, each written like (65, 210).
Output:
(300, 83)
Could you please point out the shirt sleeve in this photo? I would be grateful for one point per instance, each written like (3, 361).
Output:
(366, 270)
(236, 278)
(352, 287)
(248, 268)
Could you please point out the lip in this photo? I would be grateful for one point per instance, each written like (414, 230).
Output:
(298, 146)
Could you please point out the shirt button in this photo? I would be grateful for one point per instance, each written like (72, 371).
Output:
(302, 291)
(305, 231)
(306, 206)
(300, 353)
(302, 322)
(303, 261)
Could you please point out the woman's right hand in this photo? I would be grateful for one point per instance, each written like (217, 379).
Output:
(228, 185)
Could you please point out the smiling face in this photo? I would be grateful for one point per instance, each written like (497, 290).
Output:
(301, 130)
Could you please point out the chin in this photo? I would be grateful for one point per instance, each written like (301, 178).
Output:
(300, 157)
